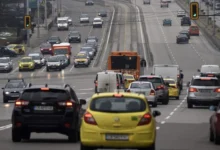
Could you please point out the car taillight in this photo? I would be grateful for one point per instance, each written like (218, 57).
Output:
(66, 104)
(20, 103)
(152, 92)
(88, 118)
(146, 119)
(41, 49)
(193, 90)
(217, 90)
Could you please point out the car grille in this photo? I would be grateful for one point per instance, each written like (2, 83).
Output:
(25, 65)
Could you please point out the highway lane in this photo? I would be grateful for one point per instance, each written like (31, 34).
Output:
(73, 9)
(189, 125)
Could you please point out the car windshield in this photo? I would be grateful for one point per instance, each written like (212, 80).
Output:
(210, 69)
(88, 49)
(11, 85)
(170, 81)
(80, 56)
(4, 60)
(53, 59)
(84, 16)
(140, 86)
(118, 105)
(62, 21)
(61, 57)
(74, 34)
(128, 77)
(39, 95)
(97, 20)
(91, 41)
(45, 46)
(156, 81)
(205, 82)
(36, 57)
(26, 60)
(53, 39)
(60, 51)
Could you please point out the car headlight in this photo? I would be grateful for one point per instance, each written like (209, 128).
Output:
(7, 66)
(6, 92)
(58, 64)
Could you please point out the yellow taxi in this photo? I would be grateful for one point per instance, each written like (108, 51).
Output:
(129, 78)
(18, 48)
(81, 59)
(26, 63)
(118, 120)
(173, 88)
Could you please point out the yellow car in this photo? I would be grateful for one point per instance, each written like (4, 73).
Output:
(18, 48)
(128, 79)
(173, 88)
(118, 120)
(26, 63)
(81, 60)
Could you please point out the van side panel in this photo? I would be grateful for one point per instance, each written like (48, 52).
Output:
(107, 82)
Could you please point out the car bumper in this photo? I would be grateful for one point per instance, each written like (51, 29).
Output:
(62, 28)
(11, 97)
(54, 67)
(207, 101)
(26, 68)
(74, 40)
(84, 21)
(2, 69)
(81, 64)
(97, 25)
(181, 15)
(96, 138)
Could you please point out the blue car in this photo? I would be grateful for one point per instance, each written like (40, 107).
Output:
(167, 22)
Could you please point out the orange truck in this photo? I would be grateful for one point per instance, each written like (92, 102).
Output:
(125, 62)
(62, 49)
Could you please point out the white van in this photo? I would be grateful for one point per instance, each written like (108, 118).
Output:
(106, 82)
(62, 23)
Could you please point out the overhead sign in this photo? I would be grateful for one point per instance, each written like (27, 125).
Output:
(33, 3)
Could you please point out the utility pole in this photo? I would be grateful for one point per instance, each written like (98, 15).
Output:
(45, 13)
(208, 14)
(28, 30)
(38, 18)
(214, 17)
(60, 7)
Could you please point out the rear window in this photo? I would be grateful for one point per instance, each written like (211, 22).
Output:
(113, 104)
(128, 77)
(194, 28)
(170, 81)
(50, 95)
(199, 82)
(153, 80)
(141, 85)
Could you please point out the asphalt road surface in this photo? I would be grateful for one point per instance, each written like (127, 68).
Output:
(179, 128)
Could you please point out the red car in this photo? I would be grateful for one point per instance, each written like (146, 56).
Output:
(215, 125)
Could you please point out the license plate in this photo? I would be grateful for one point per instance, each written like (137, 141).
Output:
(205, 91)
(43, 108)
(14, 95)
(116, 137)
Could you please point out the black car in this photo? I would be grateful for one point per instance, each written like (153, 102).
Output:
(13, 89)
(54, 40)
(46, 48)
(93, 45)
(89, 2)
(53, 63)
(5, 52)
(182, 38)
(185, 21)
(92, 38)
(103, 13)
(47, 109)
(186, 32)
(160, 86)
(64, 60)
(74, 36)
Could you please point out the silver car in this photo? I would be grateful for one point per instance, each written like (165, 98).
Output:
(145, 88)
(84, 18)
(90, 50)
(203, 91)
(6, 64)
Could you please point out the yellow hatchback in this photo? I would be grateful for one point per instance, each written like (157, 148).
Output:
(26, 63)
(173, 88)
(118, 120)
(18, 48)
(129, 78)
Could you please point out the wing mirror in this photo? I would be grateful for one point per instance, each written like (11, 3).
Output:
(82, 101)
(213, 108)
(188, 83)
(156, 113)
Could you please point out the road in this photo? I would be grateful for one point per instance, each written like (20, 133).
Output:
(179, 128)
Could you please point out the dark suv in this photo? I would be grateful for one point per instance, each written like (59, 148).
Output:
(185, 21)
(160, 85)
(47, 109)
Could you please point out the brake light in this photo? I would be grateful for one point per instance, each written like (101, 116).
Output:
(217, 90)
(210, 75)
(66, 104)
(146, 119)
(193, 90)
(161, 87)
(152, 92)
(19, 103)
(205, 78)
(88, 118)
(44, 89)
(118, 95)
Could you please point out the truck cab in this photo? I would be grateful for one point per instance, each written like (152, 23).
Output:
(62, 49)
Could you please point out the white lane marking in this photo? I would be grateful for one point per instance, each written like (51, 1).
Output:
(42, 70)
(142, 36)
(106, 44)
(164, 36)
(5, 127)
(16, 69)
(177, 20)
(172, 112)
(32, 74)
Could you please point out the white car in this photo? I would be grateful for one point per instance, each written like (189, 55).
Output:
(146, 2)
(181, 13)
(84, 18)
(70, 21)
(97, 22)
(164, 4)
(62, 23)
(38, 58)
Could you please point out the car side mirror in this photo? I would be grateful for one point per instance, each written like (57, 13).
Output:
(198, 70)
(82, 101)
(188, 83)
(213, 108)
(156, 113)
(3, 88)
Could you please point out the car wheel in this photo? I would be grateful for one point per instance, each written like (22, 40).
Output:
(26, 135)
(73, 136)
(166, 101)
(211, 135)
(189, 105)
(154, 104)
(177, 97)
(16, 135)
(82, 147)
